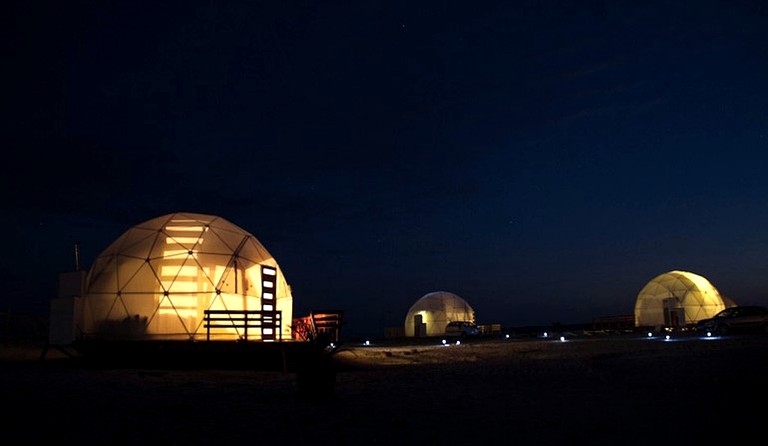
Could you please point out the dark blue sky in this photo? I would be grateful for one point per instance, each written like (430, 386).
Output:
(543, 160)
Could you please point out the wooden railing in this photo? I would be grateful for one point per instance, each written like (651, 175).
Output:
(244, 320)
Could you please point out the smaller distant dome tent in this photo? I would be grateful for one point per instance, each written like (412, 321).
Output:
(432, 312)
(677, 298)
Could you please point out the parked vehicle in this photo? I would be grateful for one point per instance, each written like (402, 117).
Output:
(462, 329)
(744, 318)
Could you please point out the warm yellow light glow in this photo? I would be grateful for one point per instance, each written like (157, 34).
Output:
(268, 296)
(178, 253)
(267, 284)
(270, 271)
(183, 240)
(219, 271)
(184, 287)
(174, 228)
(269, 307)
(184, 306)
(184, 271)
(268, 331)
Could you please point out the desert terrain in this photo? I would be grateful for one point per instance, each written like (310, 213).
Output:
(586, 390)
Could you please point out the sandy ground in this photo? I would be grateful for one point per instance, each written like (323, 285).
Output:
(626, 390)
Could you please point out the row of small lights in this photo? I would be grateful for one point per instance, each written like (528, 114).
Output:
(545, 335)
(667, 337)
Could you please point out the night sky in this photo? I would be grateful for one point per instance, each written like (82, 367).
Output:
(543, 159)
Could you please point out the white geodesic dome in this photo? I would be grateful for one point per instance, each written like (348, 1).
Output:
(677, 298)
(433, 311)
(157, 280)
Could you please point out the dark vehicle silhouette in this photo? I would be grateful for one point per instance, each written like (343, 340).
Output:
(739, 319)
(462, 329)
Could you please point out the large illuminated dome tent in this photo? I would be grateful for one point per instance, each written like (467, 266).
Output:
(677, 298)
(158, 278)
(433, 311)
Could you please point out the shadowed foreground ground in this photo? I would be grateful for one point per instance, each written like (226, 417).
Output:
(591, 391)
